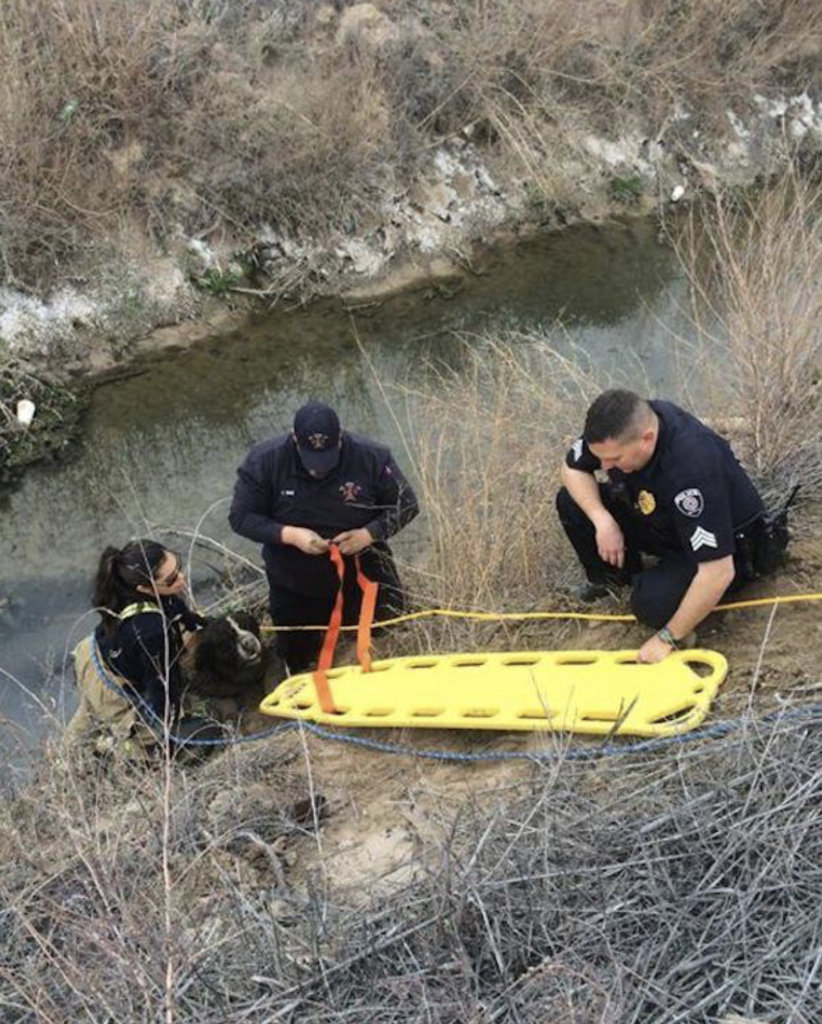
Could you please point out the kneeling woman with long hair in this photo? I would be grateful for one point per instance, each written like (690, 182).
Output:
(128, 671)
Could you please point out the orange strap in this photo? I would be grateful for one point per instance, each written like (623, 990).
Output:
(369, 602)
(332, 635)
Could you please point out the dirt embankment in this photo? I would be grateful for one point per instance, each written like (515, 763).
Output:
(164, 167)
(180, 168)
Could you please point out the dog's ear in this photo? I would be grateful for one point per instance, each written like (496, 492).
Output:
(212, 641)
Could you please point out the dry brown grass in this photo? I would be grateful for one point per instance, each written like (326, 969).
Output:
(220, 116)
(509, 68)
(87, 88)
(710, 54)
(486, 438)
(755, 266)
(299, 149)
(526, 75)
(129, 862)
(673, 887)
(207, 114)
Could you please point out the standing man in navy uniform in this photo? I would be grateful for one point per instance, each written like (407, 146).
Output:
(646, 476)
(301, 492)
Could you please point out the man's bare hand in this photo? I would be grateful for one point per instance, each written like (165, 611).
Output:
(352, 542)
(610, 542)
(653, 650)
(309, 542)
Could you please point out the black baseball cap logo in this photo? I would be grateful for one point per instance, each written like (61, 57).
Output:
(317, 441)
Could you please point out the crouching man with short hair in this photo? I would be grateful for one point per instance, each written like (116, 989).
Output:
(648, 477)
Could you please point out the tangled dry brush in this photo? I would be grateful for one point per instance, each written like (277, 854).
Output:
(221, 115)
(674, 887)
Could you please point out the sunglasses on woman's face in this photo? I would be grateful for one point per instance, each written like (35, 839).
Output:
(172, 577)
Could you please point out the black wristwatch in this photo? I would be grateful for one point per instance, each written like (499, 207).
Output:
(667, 637)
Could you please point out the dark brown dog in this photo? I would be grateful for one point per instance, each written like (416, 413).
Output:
(229, 660)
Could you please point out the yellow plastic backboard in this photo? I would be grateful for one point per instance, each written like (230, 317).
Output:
(572, 691)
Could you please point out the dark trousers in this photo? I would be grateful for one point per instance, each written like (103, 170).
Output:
(656, 592)
(300, 648)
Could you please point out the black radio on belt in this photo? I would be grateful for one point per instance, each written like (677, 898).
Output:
(762, 544)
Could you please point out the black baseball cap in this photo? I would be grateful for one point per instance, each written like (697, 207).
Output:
(317, 430)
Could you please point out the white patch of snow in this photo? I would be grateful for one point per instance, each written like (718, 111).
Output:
(27, 322)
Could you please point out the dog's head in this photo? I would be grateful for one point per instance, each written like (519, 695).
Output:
(229, 644)
(228, 659)
(249, 647)
(246, 637)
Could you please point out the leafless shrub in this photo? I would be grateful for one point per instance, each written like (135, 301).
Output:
(673, 887)
(755, 265)
(486, 440)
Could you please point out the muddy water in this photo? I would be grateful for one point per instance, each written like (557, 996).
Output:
(161, 448)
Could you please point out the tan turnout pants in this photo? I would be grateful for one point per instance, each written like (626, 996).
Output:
(105, 720)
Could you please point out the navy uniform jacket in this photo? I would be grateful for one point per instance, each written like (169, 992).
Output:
(145, 649)
(692, 496)
(274, 489)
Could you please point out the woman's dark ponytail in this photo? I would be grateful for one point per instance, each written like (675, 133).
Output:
(120, 572)
(105, 593)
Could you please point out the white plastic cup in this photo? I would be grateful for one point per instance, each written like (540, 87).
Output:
(25, 411)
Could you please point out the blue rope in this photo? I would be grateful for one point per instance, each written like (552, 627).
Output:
(716, 731)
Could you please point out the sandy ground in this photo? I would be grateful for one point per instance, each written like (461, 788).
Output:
(386, 815)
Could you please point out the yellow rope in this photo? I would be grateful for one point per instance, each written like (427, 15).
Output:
(451, 613)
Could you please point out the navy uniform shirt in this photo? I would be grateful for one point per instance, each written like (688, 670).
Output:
(145, 648)
(273, 489)
(693, 495)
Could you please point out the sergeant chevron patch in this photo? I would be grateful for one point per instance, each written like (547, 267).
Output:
(702, 538)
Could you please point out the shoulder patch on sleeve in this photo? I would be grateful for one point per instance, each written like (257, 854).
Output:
(576, 448)
(702, 538)
(690, 502)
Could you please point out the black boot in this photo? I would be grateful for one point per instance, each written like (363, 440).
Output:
(601, 586)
